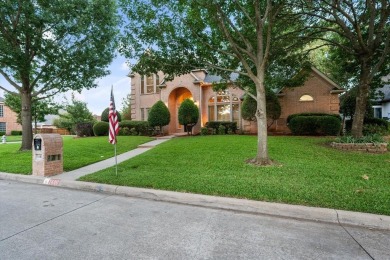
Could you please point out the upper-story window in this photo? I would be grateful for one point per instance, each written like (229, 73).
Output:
(306, 98)
(1, 111)
(149, 84)
(224, 106)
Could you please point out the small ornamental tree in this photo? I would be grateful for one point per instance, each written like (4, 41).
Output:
(159, 115)
(104, 116)
(188, 114)
(249, 106)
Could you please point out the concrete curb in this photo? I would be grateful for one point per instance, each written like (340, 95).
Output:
(332, 216)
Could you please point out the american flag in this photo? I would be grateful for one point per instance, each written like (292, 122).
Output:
(112, 120)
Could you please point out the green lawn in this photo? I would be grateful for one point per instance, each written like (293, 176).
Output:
(311, 173)
(14, 138)
(78, 152)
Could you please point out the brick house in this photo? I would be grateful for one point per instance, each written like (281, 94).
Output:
(8, 119)
(382, 103)
(319, 94)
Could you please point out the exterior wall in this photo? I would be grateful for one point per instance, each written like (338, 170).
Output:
(173, 93)
(9, 117)
(323, 101)
(386, 110)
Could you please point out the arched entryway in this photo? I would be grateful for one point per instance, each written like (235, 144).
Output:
(176, 97)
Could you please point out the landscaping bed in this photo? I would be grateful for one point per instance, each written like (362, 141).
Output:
(361, 147)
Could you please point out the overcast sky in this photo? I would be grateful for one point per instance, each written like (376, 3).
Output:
(98, 99)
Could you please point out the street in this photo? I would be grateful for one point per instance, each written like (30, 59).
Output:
(44, 222)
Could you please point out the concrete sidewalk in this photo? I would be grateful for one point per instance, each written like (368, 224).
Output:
(67, 180)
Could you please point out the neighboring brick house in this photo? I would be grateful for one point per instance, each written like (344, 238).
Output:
(225, 105)
(8, 119)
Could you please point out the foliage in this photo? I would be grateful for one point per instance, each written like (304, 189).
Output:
(39, 107)
(311, 114)
(188, 114)
(76, 112)
(232, 126)
(374, 138)
(315, 125)
(159, 115)
(101, 128)
(2, 133)
(332, 180)
(371, 126)
(357, 35)
(256, 39)
(221, 130)
(249, 107)
(84, 129)
(134, 127)
(204, 131)
(48, 47)
(348, 104)
(104, 116)
(15, 132)
(126, 107)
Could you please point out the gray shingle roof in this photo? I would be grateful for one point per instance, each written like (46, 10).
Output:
(216, 78)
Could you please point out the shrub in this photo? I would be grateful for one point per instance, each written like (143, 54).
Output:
(221, 130)
(159, 115)
(229, 126)
(139, 127)
(2, 133)
(315, 125)
(104, 116)
(101, 128)
(311, 114)
(188, 114)
(84, 129)
(375, 138)
(371, 126)
(204, 131)
(15, 132)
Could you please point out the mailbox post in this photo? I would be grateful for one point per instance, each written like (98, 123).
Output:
(47, 155)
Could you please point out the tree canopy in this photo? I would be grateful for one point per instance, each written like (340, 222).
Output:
(188, 114)
(255, 39)
(159, 115)
(52, 46)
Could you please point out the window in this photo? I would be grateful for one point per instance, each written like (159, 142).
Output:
(3, 127)
(306, 98)
(142, 114)
(1, 111)
(224, 106)
(149, 84)
(378, 112)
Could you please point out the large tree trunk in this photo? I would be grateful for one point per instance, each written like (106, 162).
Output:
(26, 120)
(361, 103)
(261, 116)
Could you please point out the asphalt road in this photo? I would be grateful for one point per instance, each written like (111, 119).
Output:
(44, 222)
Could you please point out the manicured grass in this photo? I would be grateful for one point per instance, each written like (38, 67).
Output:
(77, 152)
(14, 138)
(311, 173)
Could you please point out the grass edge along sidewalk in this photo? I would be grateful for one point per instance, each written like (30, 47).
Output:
(312, 173)
(77, 152)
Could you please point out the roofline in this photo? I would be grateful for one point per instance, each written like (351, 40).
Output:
(326, 78)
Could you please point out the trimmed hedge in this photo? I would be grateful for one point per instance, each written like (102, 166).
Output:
(101, 128)
(311, 114)
(130, 127)
(2, 133)
(230, 127)
(315, 125)
(15, 132)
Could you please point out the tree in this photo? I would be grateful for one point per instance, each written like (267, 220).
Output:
(47, 47)
(358, 36)
(252, 38)
(75, 113)
(126, 107)
(188, 114)
(39, 107)
(104, 116)
(159, 115)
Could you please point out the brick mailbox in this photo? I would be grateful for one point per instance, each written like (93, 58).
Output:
(47, 155)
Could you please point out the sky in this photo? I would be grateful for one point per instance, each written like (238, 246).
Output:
(98, 99)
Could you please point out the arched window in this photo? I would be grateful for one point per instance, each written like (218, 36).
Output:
(306, 98)
(224, 106)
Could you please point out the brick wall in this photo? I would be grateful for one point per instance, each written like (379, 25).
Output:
(9, 117)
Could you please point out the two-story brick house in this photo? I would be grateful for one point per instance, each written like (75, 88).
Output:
(8, 119)
(318, 94)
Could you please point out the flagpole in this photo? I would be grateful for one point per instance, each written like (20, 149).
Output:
(116, 162)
